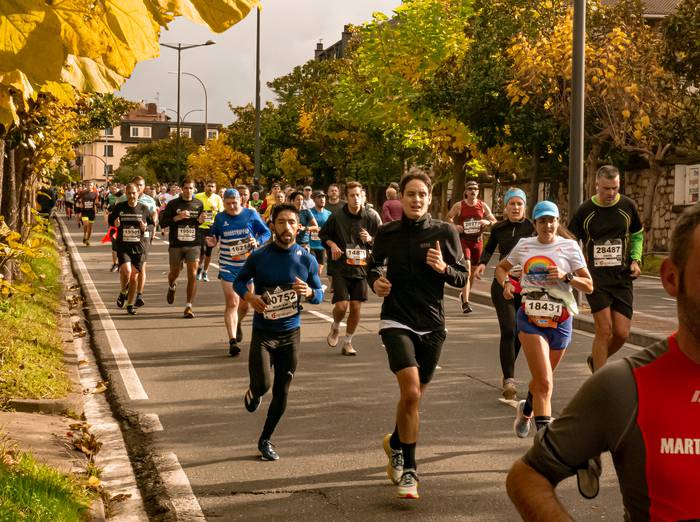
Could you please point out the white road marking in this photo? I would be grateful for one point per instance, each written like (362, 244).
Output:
(150, 422)
(324, 316)
(669, 299)
(131, 380)
(471, 303)
(185, 503)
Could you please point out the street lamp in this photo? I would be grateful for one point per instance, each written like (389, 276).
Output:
(189, 112)
(206, 104)
(256, 175)
(179, 47)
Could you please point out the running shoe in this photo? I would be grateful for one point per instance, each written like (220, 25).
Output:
(114, 268)
(239, 332)
(130, 309)
(521, 425)
(510, 392)
(266, 450)
(205, 277)
(250, 401)
(589, 362)
(348, 349)
(199, 274)
(394, 468)
(139, 302)
(170, 296)
(408, 485)
(588, 478)
(332, 338)
(188, 313)
(233, 349)
(121, 300)
(87, 242)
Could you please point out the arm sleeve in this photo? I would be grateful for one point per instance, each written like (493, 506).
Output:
(456, 273)
(245, 274)
(314, 281)
(490, 248)
(595, 421)
(637, 246)
(575, 226)
(166, 217)
(113, 215)
(260, 229)
(576, 260)
(215, 229)
(376, 259)
(514, 255)
(327, 231)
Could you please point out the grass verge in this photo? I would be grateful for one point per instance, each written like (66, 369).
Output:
(651, 264)
(31, 351)
(31, 491)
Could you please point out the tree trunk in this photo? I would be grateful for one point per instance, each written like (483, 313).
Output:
(534, 178)
(2, 171)
(459, 160)
(648, 203)
(591, 169)
(11, 187)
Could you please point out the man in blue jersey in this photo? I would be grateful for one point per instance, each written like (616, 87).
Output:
(239, 230)
(283, 273)
(321, 215)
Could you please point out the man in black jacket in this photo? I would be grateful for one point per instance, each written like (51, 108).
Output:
(412, 260)
(349, 234)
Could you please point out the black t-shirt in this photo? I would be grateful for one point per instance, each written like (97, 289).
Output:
(129, 233)
(505, 235)
(605, 233)
(184, 232)
(88, 201)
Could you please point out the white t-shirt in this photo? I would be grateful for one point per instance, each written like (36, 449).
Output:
(536, 258)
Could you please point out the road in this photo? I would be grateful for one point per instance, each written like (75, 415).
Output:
(332, 465)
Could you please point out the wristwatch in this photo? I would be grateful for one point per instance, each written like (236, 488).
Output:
(568, 277)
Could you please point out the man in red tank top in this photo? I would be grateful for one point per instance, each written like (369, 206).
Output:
(470, 216)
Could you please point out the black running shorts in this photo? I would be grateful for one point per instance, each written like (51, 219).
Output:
(407, 349)
(136, 260)
(320, 256)
(618, 296)
(345, 289)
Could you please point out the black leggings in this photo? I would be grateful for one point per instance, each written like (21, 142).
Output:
(278, 350)
(510, 344)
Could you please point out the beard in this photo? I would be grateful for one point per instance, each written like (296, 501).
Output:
(689, 310)
(285, 239)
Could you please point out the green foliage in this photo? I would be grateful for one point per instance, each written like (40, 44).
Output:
(158, 158)
(682, 41)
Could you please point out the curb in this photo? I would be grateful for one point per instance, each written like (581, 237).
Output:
(73, 402)
(581, 322)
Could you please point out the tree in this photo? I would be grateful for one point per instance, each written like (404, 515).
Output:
(219, 162)
(159, 158)
(682, 41)
(294, 171)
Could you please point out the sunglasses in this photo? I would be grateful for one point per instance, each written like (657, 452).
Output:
(472, 190)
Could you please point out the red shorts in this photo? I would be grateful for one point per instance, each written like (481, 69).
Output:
(472, 250)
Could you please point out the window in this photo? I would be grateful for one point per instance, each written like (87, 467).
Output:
(108, 170)
(687, 185)
(212, 134)
(109, 151)
(185, 132)
(140, 132)
(109, 132)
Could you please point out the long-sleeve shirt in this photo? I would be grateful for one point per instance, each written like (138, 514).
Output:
(505, 235)
(417, 290)
(273, 270)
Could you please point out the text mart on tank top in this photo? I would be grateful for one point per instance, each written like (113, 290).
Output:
(470, 218)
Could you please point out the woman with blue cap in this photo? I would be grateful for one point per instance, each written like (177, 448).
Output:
(505, 235)
(551, 266)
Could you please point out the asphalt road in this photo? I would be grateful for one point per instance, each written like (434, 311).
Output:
(332, 464)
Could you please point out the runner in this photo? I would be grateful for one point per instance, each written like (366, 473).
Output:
(213, 204)
(114, 194)
(411, 278)
(392, 208)
(349, 233)
(333, 201)
(244, 191)
(504, 235)
(644, 409)
(320, 215)
(69, 200)
(611, 230)
(282, 273)
(240, 230)
(307, 223)
(255, 201)
(279, 199)
(470, 216)
(88, 200)
(270, 199)
(131, 219)
(308, 202)
(183, 216)
(551, 266)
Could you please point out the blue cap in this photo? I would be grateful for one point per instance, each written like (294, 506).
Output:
(544, 209)
(514, 193)
(231, 193)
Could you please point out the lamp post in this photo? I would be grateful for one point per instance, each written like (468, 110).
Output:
(189, 112)
(206, 104)
(256, 173)
(179, 47)
(577, 108)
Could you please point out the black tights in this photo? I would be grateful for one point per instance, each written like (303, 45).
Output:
(510, 344)
(277, 350)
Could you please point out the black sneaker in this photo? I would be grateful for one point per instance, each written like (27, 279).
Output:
(130, 310)
(121, 300)
(589, 362)
(233, 349)
(139, 301)
(266, 450)
(466, 309)
(239, 332)
(114, 268)
(250, 401)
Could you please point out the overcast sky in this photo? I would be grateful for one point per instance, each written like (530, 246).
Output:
(290, 30)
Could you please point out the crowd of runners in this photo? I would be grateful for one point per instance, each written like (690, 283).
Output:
(272, 251)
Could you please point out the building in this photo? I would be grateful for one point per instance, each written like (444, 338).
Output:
(99, 159)
(653, 9)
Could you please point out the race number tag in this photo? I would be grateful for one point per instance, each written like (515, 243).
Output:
(208, 216)
(608, 253)
(131, 235)
(240, 249)
(356, 256)
(88, 204)
(280, 304)
(543, 312)
(315, 236)
(472, 227)
(186, 234)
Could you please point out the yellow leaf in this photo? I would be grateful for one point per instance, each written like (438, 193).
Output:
(94, 482)
(637, 134)
(625, 114)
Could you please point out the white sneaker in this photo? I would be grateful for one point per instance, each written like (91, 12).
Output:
(332, 338)
(408, 485)
(394, 468)
(348, 349)
(521, 425)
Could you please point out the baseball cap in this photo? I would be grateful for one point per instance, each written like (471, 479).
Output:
(514, 193)
(231, 193)
(307, 187)
(544, 209)
(318, 194)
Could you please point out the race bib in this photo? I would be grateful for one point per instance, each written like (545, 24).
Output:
(88, 204)
(131, 235)
(186, 234)
(280, 304)
(608, 253)
(315, 237)
(472, 227)
(240, 249)
(208, 216)
(543, 312)
(356, 256)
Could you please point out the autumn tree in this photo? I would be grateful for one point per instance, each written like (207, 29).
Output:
(219, 162)
(159, 158)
